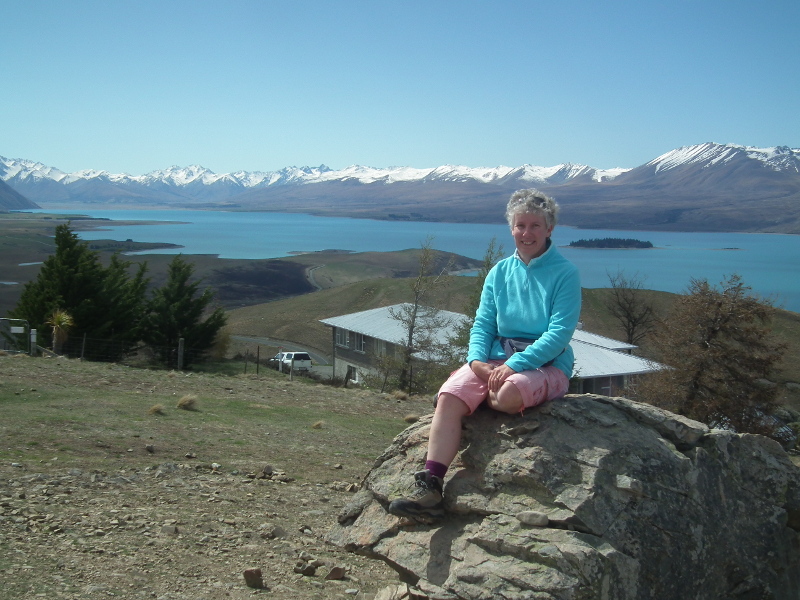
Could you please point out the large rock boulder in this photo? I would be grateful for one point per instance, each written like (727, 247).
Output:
(589, 497)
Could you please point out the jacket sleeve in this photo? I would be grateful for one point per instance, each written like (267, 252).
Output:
(564, 316)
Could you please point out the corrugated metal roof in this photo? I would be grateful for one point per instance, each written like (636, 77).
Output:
(379, 323)
(600, 340)
(595, 355)
(595, 361)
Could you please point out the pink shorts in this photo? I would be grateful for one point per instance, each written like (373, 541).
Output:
(536, 387)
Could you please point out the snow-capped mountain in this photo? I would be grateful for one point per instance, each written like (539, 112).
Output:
(699, 187)
(780, 158)
(21, 172)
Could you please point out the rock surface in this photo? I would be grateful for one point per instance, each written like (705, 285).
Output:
(589, 497)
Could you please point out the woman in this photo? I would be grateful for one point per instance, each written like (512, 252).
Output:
(519, 354)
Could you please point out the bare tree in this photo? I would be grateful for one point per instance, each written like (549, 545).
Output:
(421, 322)
(720, 350)
(459, 341)
(628, 305)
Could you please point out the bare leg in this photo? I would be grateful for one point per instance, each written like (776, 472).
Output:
(445, 436)
(507, 399)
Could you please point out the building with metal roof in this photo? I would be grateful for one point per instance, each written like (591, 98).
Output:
(602, 364)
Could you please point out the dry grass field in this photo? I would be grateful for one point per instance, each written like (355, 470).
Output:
(109, 488)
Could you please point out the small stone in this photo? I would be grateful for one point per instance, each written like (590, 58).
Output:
(169, 530)
(335, 573)
(306, 569)
(253, 579)
(270, 531)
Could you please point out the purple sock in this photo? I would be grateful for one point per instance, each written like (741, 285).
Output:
(437, 469)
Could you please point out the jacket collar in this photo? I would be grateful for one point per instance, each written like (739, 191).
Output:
(543, 257)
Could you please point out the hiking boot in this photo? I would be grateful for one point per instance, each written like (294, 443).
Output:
(424, 502)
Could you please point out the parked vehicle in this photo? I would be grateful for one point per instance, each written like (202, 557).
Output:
(286, 361)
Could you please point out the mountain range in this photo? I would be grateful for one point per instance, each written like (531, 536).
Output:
(704, 187)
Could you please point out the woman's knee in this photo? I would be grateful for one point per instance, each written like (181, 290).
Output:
(507, 399)
(450, 405)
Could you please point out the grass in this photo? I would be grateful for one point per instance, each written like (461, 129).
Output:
(100, 416)
(297, 319)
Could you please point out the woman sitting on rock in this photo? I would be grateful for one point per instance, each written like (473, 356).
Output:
(519, 354)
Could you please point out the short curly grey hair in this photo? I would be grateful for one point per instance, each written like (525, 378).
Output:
(532, 201)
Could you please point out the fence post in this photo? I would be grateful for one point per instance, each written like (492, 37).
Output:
(83, 345)
(258, 358)
(33, 342)
(180, 354)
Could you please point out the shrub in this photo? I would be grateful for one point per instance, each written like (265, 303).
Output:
(188, 402)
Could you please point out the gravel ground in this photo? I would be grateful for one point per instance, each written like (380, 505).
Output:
(173, 532)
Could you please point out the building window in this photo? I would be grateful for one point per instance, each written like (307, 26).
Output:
(359, 342)
(342, 338)
(379, 346)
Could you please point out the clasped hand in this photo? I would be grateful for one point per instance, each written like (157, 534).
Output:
(493, 375)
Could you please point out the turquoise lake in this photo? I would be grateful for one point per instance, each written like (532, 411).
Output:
(768, 263)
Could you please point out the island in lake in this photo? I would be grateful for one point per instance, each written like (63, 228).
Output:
(610, 243)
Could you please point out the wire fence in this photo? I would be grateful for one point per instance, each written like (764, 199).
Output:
(125, 352)
(15, 337)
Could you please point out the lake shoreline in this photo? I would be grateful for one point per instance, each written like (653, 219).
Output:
(769, 264)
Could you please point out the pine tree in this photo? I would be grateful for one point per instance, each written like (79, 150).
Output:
(121, 309)
(71, 279)
(720, 350)
(105, 304)
(176, 311)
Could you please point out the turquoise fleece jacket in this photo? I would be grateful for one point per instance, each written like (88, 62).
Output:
(540, 300)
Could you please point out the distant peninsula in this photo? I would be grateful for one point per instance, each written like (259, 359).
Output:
(610, 243)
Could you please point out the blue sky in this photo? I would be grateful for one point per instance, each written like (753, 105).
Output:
(134, 86)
